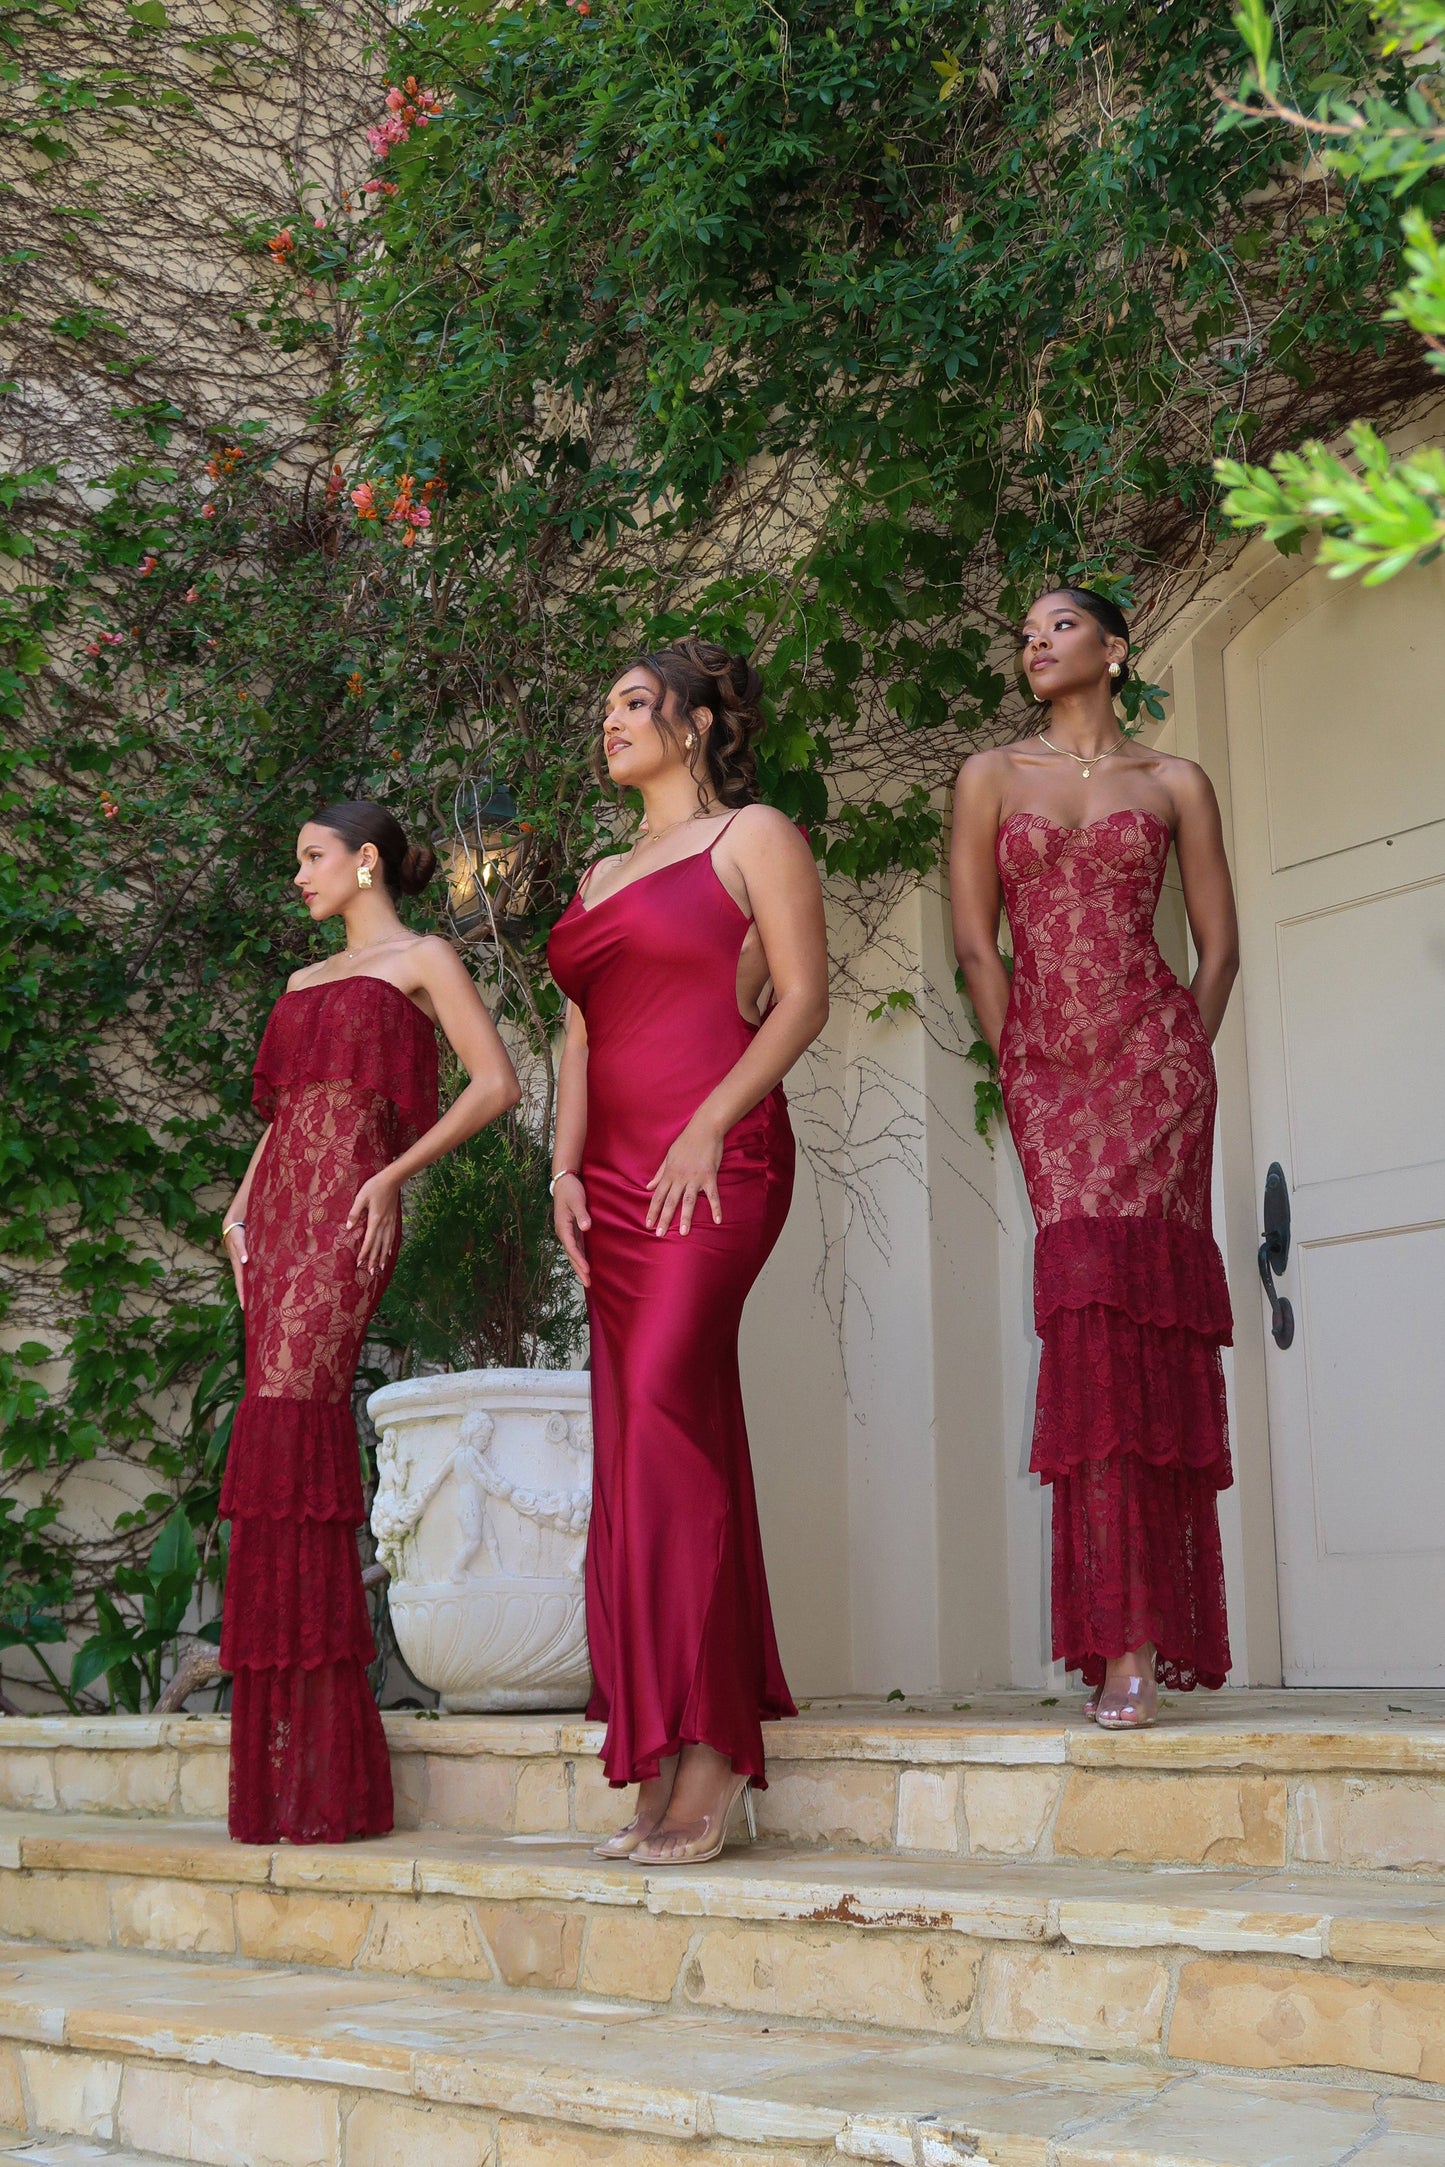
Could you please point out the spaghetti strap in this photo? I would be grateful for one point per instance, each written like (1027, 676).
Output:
(722, 831)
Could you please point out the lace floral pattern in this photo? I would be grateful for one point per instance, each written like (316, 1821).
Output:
(346, 1075)
(1108, 1083)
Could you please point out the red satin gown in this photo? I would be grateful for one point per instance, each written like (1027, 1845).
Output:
(678, 1620)
(347, 1077)
(1108, 1082)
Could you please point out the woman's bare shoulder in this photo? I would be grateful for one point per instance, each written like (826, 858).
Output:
(765, 828)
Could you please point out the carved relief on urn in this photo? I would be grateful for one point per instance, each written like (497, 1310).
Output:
(484, 1488)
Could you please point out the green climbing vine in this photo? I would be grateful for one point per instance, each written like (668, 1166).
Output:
(380, 383)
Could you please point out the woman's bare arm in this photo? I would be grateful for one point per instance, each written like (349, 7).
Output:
(569, 1197)
(786, 900)
(975, 893)
(233, 1220)
(1208, 893)
(492, 1087)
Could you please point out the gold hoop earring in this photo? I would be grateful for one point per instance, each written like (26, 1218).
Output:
(363, 876)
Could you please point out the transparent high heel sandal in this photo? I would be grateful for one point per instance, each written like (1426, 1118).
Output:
(1125, 1712)
(714, 1835)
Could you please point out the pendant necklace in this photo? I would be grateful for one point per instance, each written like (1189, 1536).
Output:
(1084, 761)
(655, 835)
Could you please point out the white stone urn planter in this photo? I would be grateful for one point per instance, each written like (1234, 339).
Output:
(484, 1490)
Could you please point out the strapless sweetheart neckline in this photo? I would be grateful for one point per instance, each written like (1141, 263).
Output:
(1144, 812)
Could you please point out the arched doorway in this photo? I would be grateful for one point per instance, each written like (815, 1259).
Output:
(1319, 707)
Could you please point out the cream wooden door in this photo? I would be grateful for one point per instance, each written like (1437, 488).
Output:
(1336, 711)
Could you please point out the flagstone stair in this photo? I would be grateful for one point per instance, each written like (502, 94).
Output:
(988, 1934)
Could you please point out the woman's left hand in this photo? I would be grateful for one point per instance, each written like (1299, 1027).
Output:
(379, 1201)
(688, 1172)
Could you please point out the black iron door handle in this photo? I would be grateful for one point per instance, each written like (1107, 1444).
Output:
(1274, 1253)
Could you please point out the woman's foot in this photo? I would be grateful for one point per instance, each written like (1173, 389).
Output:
(1091, 1702)
(1129, 1697)
(694, 1827)
(652, 1802)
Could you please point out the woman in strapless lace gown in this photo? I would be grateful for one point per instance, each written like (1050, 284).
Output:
(1108, 1084)
(696, 972)
(346, 1081)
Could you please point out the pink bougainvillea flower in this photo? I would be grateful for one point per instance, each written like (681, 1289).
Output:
(281, 244)
(365, 502)
(208, 511)
(191, 595)
(92, 647)
(148, 565)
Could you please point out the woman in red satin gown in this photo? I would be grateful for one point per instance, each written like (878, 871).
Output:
(346, 1080)
(1108, 1083)
(695, 967)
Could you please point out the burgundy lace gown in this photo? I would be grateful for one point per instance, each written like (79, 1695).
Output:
(678, 1621)
(1108, 1082)
(347, 1077)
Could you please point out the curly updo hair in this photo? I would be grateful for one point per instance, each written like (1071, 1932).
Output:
(406, 867)
(1107, 616)
(706, 680)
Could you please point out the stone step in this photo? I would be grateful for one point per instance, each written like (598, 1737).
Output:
(285, 2069)
(1250, 1970)
(1353, 1781)
(18, 2150)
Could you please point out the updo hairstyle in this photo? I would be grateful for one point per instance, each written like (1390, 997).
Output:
(706, 679)
(406, 867)
(1108, 617)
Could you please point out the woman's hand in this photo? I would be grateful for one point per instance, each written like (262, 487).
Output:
(688, 1172)
(570, 1218)
(233, 1241)
(379, 1201)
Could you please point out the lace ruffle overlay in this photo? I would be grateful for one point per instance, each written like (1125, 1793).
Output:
(1109, 1086)
(346, 1076)
(1130, 1432)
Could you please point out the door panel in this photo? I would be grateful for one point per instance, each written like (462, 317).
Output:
(1337, 773)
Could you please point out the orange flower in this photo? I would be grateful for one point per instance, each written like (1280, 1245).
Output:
(354, 685)
(281, 244)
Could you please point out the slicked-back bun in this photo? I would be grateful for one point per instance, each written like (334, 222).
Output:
(406, 867)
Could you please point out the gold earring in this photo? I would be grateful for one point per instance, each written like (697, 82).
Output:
(363, 876)
(690, 740)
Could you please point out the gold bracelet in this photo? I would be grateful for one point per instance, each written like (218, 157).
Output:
(230, 1226)
(560, 1175)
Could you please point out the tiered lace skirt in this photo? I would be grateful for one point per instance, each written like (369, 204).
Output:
(308, 1754)
(1131, 1435)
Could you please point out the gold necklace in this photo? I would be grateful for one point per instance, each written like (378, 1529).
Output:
(655, 835)
(1084, 761)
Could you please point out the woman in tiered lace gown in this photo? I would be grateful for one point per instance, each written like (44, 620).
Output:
(346, 1079)
(1108, 1083)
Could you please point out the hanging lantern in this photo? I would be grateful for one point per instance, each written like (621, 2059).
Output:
(488, 860)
